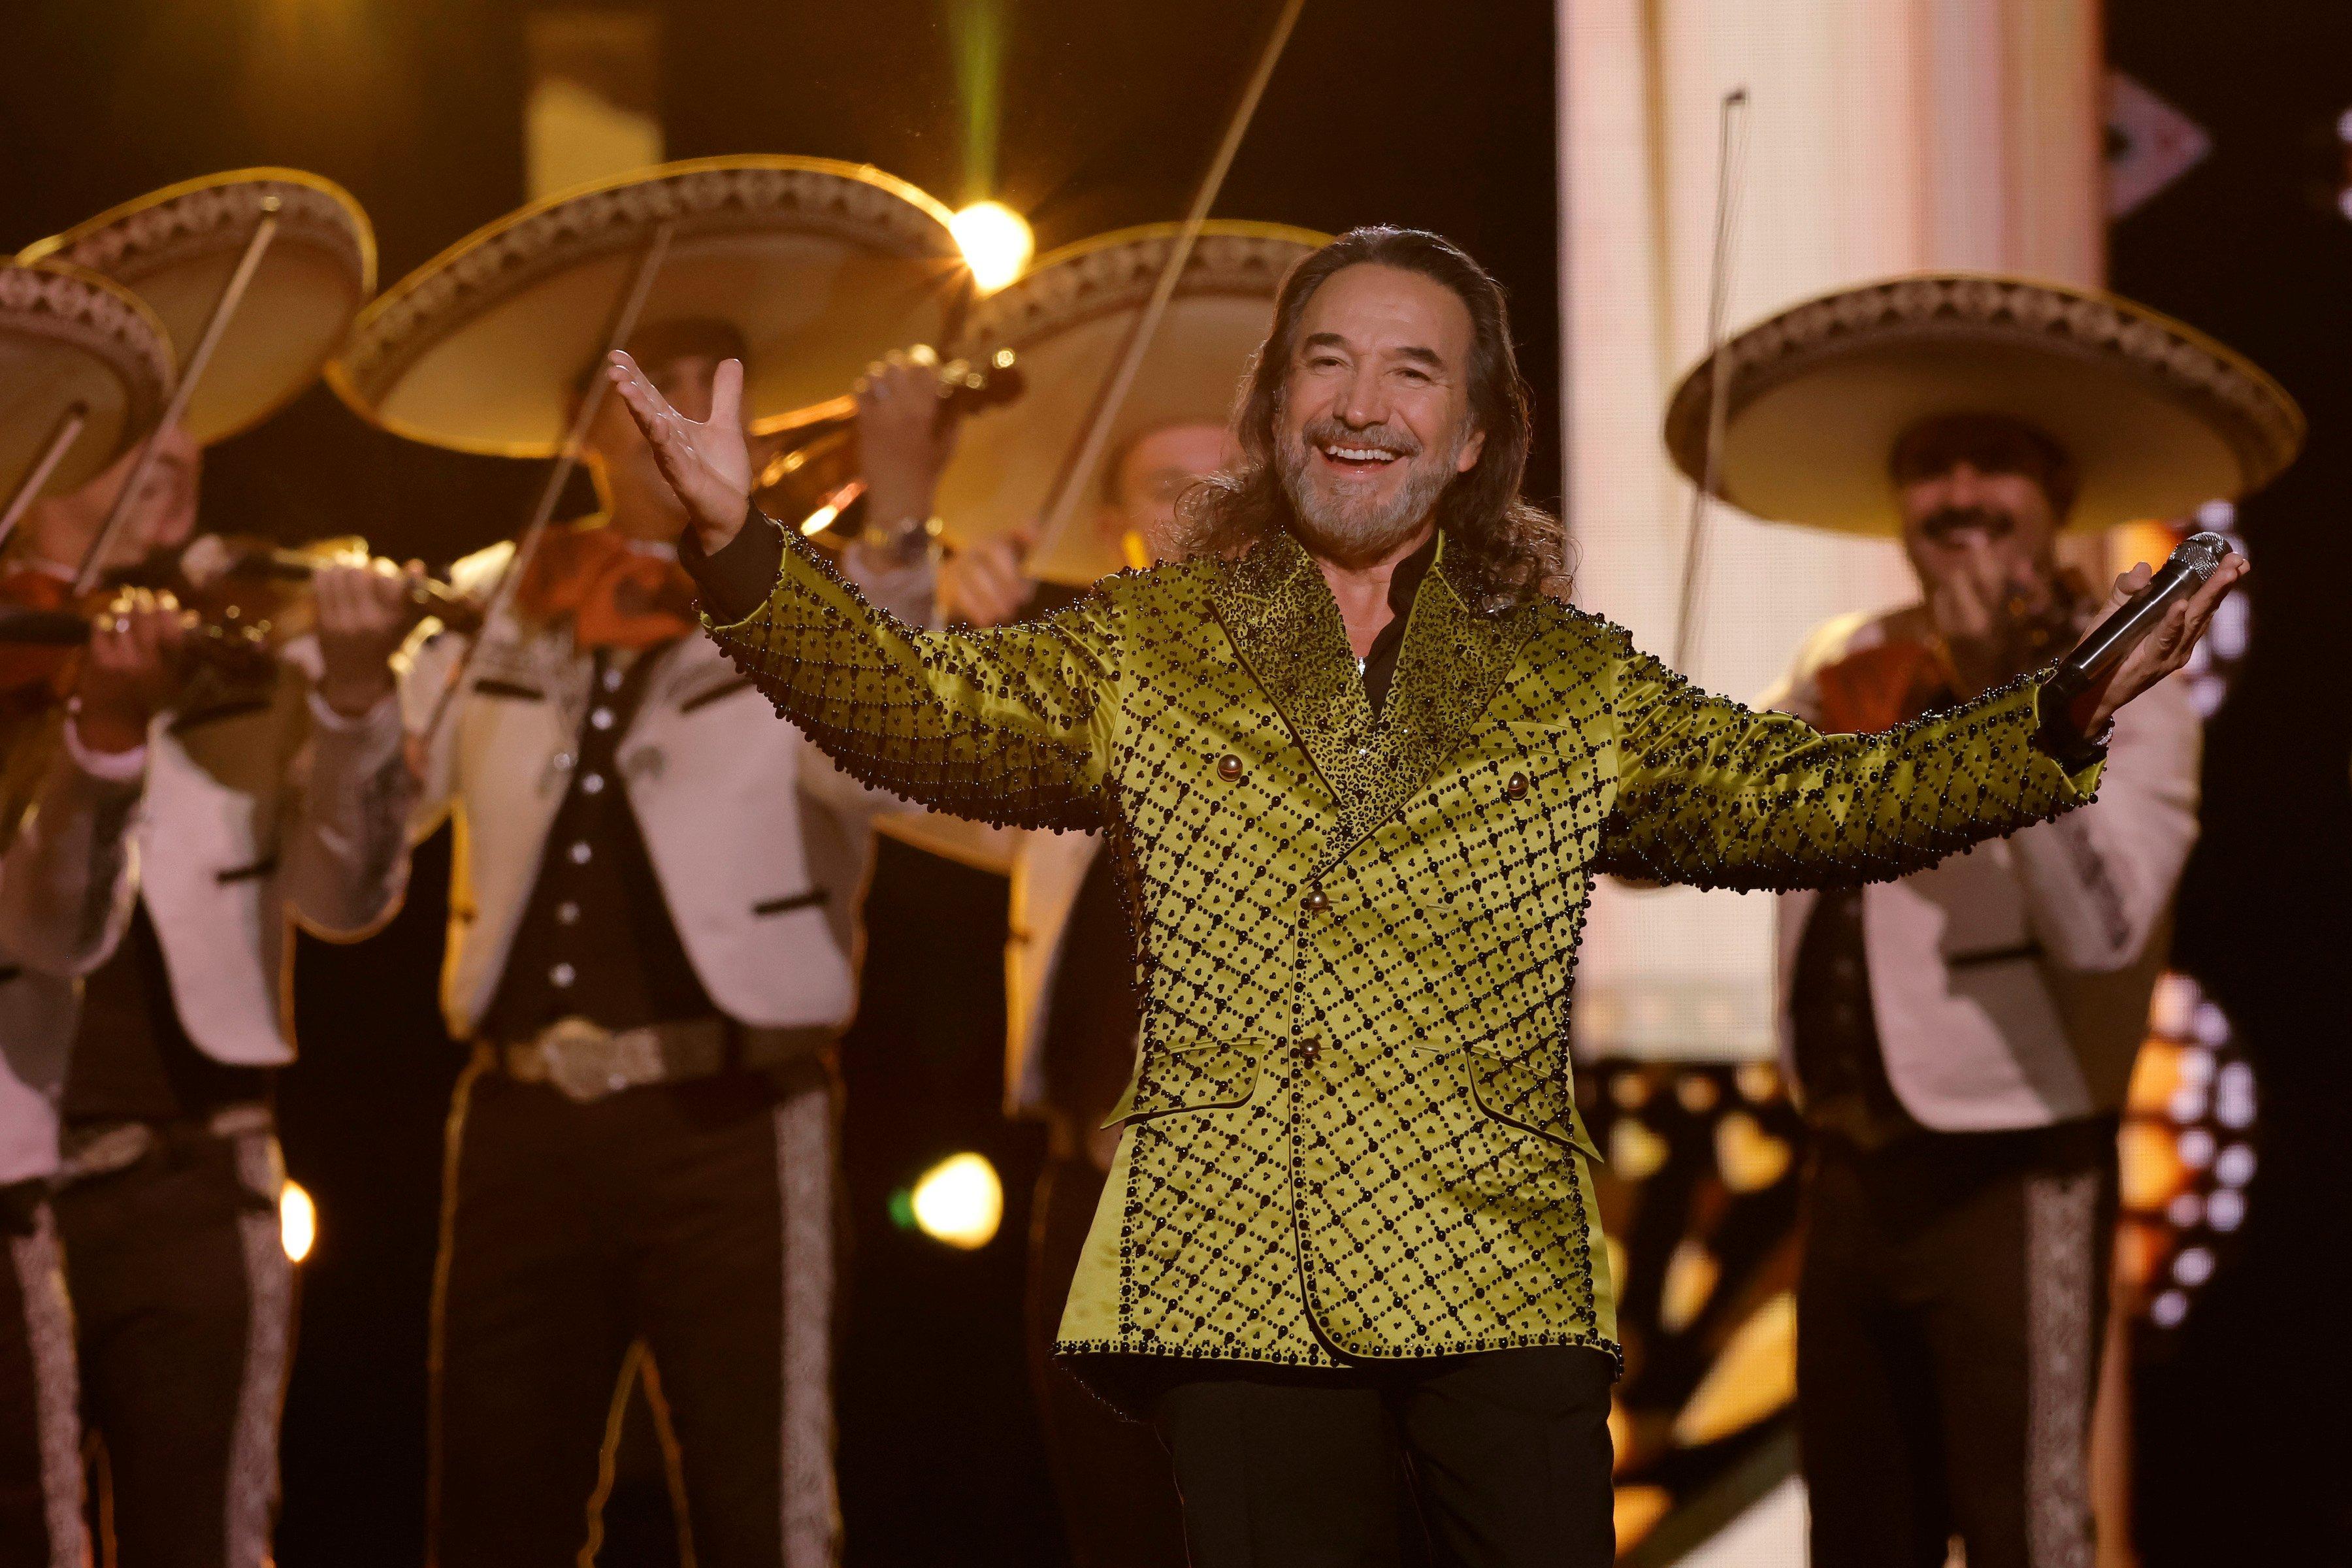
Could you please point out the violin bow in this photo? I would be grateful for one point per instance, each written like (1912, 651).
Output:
(200, 358)
(1730, 173)
(567, 463)
(1084, 454)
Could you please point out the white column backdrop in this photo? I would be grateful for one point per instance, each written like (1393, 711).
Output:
(1883, 136)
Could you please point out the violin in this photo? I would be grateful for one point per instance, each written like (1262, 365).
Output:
(244, 599)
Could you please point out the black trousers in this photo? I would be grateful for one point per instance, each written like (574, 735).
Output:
(1507, 1456)
(40, 1430)
(184, 1306)
(682, 1228)
(1949, 1319)
(1111, 1476)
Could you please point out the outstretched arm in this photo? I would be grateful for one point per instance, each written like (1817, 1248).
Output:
(1010, 726)
(1712, 794)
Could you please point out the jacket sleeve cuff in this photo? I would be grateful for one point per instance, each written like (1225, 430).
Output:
(737, 581)
(106, 767)
(2056, 736)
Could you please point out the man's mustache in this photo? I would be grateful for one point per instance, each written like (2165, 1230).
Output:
(1329, 431)
(1944, 521)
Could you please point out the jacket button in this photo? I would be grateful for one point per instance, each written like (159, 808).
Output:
(1307, 1049)
(1518, 786)
(1229, 768)
(1315, 903)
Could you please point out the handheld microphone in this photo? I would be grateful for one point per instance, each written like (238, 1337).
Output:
(2197, 558)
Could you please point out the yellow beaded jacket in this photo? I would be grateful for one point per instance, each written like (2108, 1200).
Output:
(1350, 1132)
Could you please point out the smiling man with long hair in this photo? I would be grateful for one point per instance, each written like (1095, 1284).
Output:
(1357, 762)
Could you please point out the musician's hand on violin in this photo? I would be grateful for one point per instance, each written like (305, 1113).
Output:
(708, 464)
(987, 585)
(905, 437)
(365, 610)
(132, 670)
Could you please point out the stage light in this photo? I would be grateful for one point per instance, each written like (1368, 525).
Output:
(995, 241)
(297, 1221)
(959, 1201)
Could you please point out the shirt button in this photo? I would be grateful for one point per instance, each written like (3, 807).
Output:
(1229, 768)
(593, 784)
(563, 761)
(1307, 1050)
(567, 913)
(1518, 786)
(602, 718)
(612, 680)
(1315, 903)
(579, 853)
(562, 974)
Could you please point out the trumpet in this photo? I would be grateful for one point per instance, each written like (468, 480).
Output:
(811, 473)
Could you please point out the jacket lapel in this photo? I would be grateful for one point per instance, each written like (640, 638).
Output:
(1281, 619)
(1454, 661)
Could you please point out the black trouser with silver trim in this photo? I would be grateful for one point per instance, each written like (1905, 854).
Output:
(1508, 1455)
(41, 1429)
(1950, 1320)
(182, 1302)
(690, 1223)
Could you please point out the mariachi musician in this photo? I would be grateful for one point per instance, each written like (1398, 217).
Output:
(90, 370)
(653, 938)
(180, 810)
(1961, 1038)
(1069, 973)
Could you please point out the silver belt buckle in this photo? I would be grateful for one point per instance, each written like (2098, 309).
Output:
(586, 1061)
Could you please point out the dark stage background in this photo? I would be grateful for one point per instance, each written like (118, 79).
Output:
(1383, 110)
(1105, 115)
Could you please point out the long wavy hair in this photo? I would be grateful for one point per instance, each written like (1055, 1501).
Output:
(1501, 549)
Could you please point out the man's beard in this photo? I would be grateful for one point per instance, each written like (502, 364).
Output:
(1359, 531)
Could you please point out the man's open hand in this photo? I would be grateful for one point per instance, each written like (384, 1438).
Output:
(709, 464)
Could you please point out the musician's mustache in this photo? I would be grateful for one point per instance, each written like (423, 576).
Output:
(1946, 520)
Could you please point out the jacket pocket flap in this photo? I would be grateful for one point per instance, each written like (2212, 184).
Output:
(1205, 1077)
(1532, 1101)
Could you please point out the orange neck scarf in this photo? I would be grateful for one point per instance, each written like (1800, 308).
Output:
(616, 594)
(1879, 687)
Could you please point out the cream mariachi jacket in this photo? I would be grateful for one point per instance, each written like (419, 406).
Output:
(1352, 1128)
(763, 848)
(242, 814)
(2011, 983)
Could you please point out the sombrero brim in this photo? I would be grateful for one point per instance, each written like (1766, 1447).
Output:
(2157, 418)
(72, 338)
(176, 249)
(1068, 321)
(820, 265)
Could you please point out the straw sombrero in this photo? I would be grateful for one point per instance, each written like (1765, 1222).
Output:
(2157, 417)
(820, 265)
(1068, 321)
(176, 249)
(69, 339)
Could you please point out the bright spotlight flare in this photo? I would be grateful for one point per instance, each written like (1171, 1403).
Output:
(995, 241)
(959, 1201)
(297, 1221)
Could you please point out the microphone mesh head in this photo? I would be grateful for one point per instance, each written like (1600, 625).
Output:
(2201, 554)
